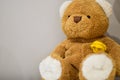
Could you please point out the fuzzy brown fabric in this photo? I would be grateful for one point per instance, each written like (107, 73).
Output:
(71, 52)
(87, 28)
(84, 22)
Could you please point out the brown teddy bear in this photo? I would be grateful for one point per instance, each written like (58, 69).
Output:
(86, 54)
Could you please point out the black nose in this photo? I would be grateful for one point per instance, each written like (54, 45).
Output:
(77, 19)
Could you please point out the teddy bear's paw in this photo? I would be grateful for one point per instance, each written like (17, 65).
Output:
(50, 69)
(97, 67)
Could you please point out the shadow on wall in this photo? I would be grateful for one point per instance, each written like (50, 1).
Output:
(114, 38)
(116, 9)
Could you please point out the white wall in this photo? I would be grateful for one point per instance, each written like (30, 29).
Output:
(29, 31)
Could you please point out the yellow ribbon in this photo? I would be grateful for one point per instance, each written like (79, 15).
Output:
(98, 46)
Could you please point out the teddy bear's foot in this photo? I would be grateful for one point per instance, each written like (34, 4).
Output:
(50, 69)
(97, 67)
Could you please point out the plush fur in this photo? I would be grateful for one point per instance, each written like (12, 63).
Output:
(106, 6)
(50, 69)
(97, 67)
(63, 7)
(83, 22)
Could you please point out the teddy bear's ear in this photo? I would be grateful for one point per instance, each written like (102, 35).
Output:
(106, 6)
(63, 7)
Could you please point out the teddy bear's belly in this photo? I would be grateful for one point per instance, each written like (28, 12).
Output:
(70, 53)
(81, 49)
(75, 54)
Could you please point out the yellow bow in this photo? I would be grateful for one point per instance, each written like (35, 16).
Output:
(98, 46)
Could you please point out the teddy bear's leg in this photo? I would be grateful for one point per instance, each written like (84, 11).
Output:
(69, 71)
(97, 67)
(50, 69)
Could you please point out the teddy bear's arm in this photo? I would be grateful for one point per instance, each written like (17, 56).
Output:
(113, 49)
(115, 53)
(59, 51)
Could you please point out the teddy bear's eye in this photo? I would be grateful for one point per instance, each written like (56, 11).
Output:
(88, 16)
(68, 16)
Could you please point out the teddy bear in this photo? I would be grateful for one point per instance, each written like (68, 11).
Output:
(87, 53)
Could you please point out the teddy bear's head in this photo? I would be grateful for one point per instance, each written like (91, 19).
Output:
(85, 18)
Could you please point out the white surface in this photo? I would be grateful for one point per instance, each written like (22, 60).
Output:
(50, 69)
(29, 31)
(97, 67)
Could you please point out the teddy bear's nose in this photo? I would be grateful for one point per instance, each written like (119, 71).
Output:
(77, 19)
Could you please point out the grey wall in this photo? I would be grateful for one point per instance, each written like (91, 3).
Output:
(29, 31)
(114, 29)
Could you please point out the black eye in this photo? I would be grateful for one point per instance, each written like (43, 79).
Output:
(68, 16)
(88, 16)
